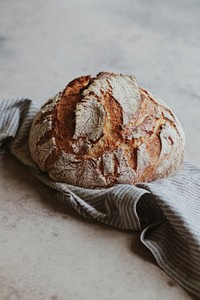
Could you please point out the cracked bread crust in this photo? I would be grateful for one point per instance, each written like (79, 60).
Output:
(105, 130)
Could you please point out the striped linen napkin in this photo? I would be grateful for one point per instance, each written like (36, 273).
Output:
(166, 212)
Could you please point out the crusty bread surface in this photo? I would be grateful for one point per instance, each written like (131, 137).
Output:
(105, 130)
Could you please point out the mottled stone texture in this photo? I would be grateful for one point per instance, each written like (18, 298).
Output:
(47, 251)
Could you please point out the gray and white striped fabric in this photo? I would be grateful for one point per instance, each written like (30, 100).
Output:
(167, 212)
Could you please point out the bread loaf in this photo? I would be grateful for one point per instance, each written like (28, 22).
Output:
(105, 130)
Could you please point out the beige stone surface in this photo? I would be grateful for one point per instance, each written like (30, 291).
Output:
(47, 251)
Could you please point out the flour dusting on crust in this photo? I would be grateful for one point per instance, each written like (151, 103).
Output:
(105, 130)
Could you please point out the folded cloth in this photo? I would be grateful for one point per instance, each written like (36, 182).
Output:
(167, 211)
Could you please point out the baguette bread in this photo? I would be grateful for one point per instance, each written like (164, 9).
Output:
(105, 130)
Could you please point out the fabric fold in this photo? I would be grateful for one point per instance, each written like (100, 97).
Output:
(167, 211)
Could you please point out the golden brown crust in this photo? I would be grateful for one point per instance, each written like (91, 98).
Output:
(63, 115)
(131, 144)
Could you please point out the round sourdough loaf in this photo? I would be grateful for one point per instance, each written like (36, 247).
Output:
(105, 130)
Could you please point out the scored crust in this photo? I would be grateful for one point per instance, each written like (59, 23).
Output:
(105, 130)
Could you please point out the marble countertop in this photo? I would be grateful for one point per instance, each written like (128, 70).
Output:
(47, 250)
